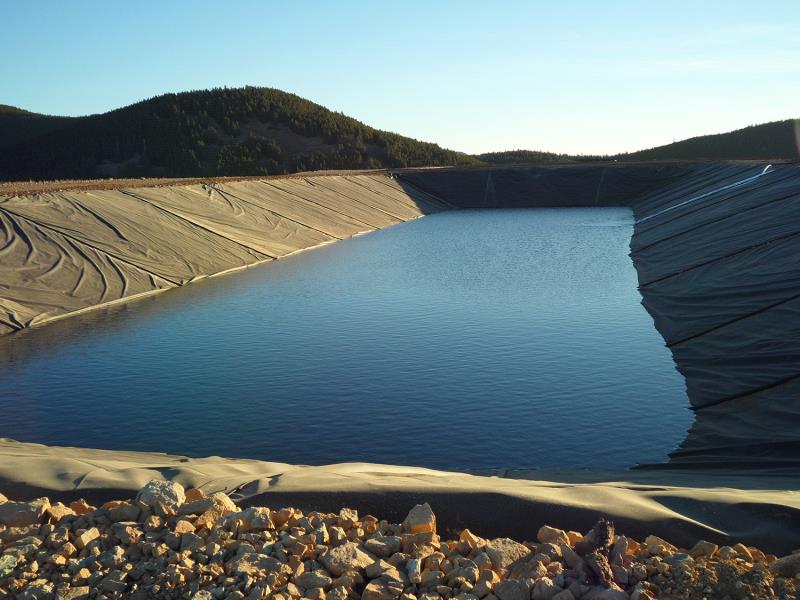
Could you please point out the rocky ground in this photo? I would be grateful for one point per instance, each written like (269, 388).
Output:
(173, 543)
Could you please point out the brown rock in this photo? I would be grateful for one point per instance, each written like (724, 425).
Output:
(504, 551)
(217, 500)
(544, 589)
(419, 544)
(67, 550)
(469, 538)
(347, 557)
(252, 562)
(256, 518)
(314, 579)
(378, 590)
(58, 511)
(194, 494)
(22, 514)
(85, 538)
(183, 526)
(283, 516)
(81, 507)
(551, 535)
(208, 519)
(703, 549)
(420, 519)
(571, 557)
(511, 590)
(743, 552)
(123, 511)
(528, 569)
(383, 546)
(654, 540)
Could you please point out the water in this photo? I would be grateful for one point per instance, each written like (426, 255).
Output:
(464, 340)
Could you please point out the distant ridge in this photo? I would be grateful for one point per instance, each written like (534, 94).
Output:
(17, 125)
(265, 131)
(240, 131)
(530, 156)
(775, 140)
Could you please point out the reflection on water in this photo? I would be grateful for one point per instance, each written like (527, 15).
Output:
(470, 339)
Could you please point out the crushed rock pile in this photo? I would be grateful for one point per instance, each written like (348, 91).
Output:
(172, 543)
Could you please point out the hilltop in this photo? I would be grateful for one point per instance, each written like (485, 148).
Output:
(254, 131)
(17, 125)
(768, 141)
(242, 131)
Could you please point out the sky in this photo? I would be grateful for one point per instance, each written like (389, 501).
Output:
(591, 77)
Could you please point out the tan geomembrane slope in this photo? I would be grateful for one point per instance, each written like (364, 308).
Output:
(64, 252)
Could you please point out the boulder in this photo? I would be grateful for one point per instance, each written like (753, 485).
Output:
(255, 518)
(218, 500)
(384, 546)
(22, 514)
(191, 542)
(122, 511)
(528, 569)
(347, 518)
(163, 497)
(504, 552)
(347, 557)
(81, 507)
(420, 519)
(788, 566)
(544, 589)
(551, 535)
(314, 579)
(470, 539)
(250, 562)
(512, 589)
(183, 526)
(58, 511)
(85, 538)
(193, 494)
(378, 590)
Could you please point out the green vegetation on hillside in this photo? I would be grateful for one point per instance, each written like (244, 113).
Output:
(520, 157)
(767, 141)
(243, 131)
(17, 125)
(264, 131)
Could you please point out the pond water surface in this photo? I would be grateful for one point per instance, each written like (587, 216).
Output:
(463, 340)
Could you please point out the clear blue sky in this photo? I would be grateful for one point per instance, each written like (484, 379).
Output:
(578, 76)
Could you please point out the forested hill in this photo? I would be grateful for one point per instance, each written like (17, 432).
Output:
(17, 124)
(264, 131)
(776, 140)
(244, 131)
(520, 157)
(769, 141)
